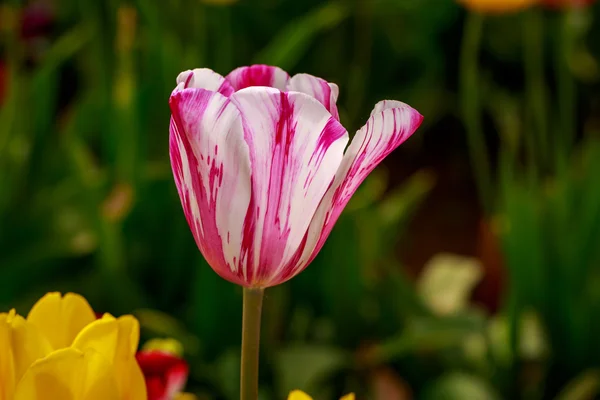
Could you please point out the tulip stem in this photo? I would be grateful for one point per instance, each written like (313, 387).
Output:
(253, 299)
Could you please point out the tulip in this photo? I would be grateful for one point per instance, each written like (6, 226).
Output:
(259, 163)
(165, 371)
(61, 351)
(300, 395)
(497, 6)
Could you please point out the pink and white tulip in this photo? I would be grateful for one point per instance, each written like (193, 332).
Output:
(259, 162)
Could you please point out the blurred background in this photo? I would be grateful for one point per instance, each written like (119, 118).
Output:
(466, 267)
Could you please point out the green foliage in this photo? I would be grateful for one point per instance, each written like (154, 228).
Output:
(88, 204)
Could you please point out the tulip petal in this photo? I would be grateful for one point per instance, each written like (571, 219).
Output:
(204, 78)
(68, 374)
(116, 340)
(211, 166)
(7, 367)
(391, 123)
(28, 344)
(326, 93)
(258, 75)
(166, 374)
(298, 395)
(348, 397)
(101, 335)
(296, 147)
(61, 318)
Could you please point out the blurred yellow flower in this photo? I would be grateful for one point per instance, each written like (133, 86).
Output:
(300, 395)
(61, 351)
(498, 6)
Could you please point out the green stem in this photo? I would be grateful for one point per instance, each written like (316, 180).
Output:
(253, 299)
(471, 107)
(536, 90)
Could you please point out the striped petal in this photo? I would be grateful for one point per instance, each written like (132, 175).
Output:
(326, 93)
(258, 75)
(211, 166)
(296, 147)
(203, 78)
(391, 123)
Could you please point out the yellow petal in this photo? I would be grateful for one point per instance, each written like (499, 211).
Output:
(68, 374)
(169, 345)
(185, 396)
(129, 334)
(116, 340)
(132, 384)
(60, 319)
(21, 345)
(28, 345)
(298, 395)
(101, 335)
(7, 370)
(348, 397)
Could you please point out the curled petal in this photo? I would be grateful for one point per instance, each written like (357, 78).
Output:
(390, 125)
(59, 318)
(211, 165)
(68, 374)
(296, 146)
(203, 78)
(326, 93)
(258, 75)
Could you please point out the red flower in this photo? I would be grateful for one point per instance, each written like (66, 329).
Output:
(165, 373)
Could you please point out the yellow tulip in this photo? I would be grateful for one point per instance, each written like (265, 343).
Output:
(300, 395)
(69, 374)
(61, 351)
(498, 6)
(61, 319)
(20, 345)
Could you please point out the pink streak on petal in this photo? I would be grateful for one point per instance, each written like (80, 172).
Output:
(326, 93)
(388, 128)
(211, 167)
(258, 75)
(204, 78)
(295, 148)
